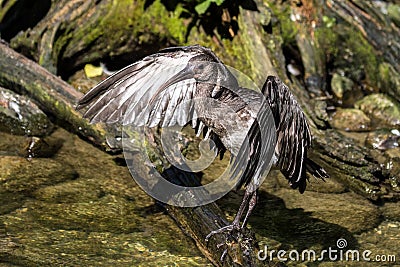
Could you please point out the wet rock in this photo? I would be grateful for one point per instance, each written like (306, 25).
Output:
(383, 139)
(384, 241)
(82, 83)
(101, 215)
(341, 85)
(69, 192)
(350, 120)
(10, 145)
(393, 153)
(393, 166)
(20, 175)
(99, 218)
(29, 146)
(314, 184)
(347, 209)
(329, 201)
(383, 109)
(393, 11)
(10, 201)
(391, 211)
(20, 116)
(37, 147)
(389, 81)
(344, 89)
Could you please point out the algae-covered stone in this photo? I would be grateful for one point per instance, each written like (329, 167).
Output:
(20, 116)
(389, 80)
(350, 120)
(341, 85)
(382, 139)
(29, 146)
(348, 209)
(69, 192)
(41, 147)
(384, 109)
(393, 11)
(20, 175)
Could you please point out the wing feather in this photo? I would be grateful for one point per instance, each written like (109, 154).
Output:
(293, 135)
(125, 96)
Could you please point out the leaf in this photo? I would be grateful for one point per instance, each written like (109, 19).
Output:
(218, 2)
(93, 71)
(202, 7)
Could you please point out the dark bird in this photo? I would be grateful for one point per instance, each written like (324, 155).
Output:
(149, 91)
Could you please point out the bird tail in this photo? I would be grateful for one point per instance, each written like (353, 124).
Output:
(316, 170)
(312, 168)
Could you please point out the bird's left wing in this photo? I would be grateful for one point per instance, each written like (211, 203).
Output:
(293, 135)
(140, 94)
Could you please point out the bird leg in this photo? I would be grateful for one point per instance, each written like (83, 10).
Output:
(249, 200)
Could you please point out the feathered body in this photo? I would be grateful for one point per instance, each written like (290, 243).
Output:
(142, 94)
(150, 91)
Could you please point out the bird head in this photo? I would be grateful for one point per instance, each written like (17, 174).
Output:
(205, 70)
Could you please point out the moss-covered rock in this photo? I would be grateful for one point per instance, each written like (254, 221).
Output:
(350, 120)
(341, 85)
(50, 216)
(389, 80)
(72, 35)
(20, 116)
(20, 175)
(382, 108)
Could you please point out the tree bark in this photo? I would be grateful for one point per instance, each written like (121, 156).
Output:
(76, 32)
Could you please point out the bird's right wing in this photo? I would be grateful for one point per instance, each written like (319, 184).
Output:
(138, 94)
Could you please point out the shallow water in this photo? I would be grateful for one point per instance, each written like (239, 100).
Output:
(80, 208)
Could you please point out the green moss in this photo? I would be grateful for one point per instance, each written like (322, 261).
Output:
(364, 55)
(123, 25)
(327, 39)
(238, 57)
(384, 109)
(287, 27)
(389, 80)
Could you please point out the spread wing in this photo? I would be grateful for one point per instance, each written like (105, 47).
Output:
(136, 95)
(140, 94)
(293, 135)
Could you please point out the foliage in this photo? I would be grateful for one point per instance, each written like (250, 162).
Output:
(203, 6)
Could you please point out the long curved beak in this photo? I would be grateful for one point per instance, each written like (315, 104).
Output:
(185, 74)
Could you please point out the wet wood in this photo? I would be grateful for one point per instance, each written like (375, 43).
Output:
(54, 96)
(374, 26)
(75, 32)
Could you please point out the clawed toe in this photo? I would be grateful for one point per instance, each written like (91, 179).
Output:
(228, 228)
(235, 240)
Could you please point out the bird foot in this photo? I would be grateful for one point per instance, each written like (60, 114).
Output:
(237, 240)
(230, 238)
(228, 228)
